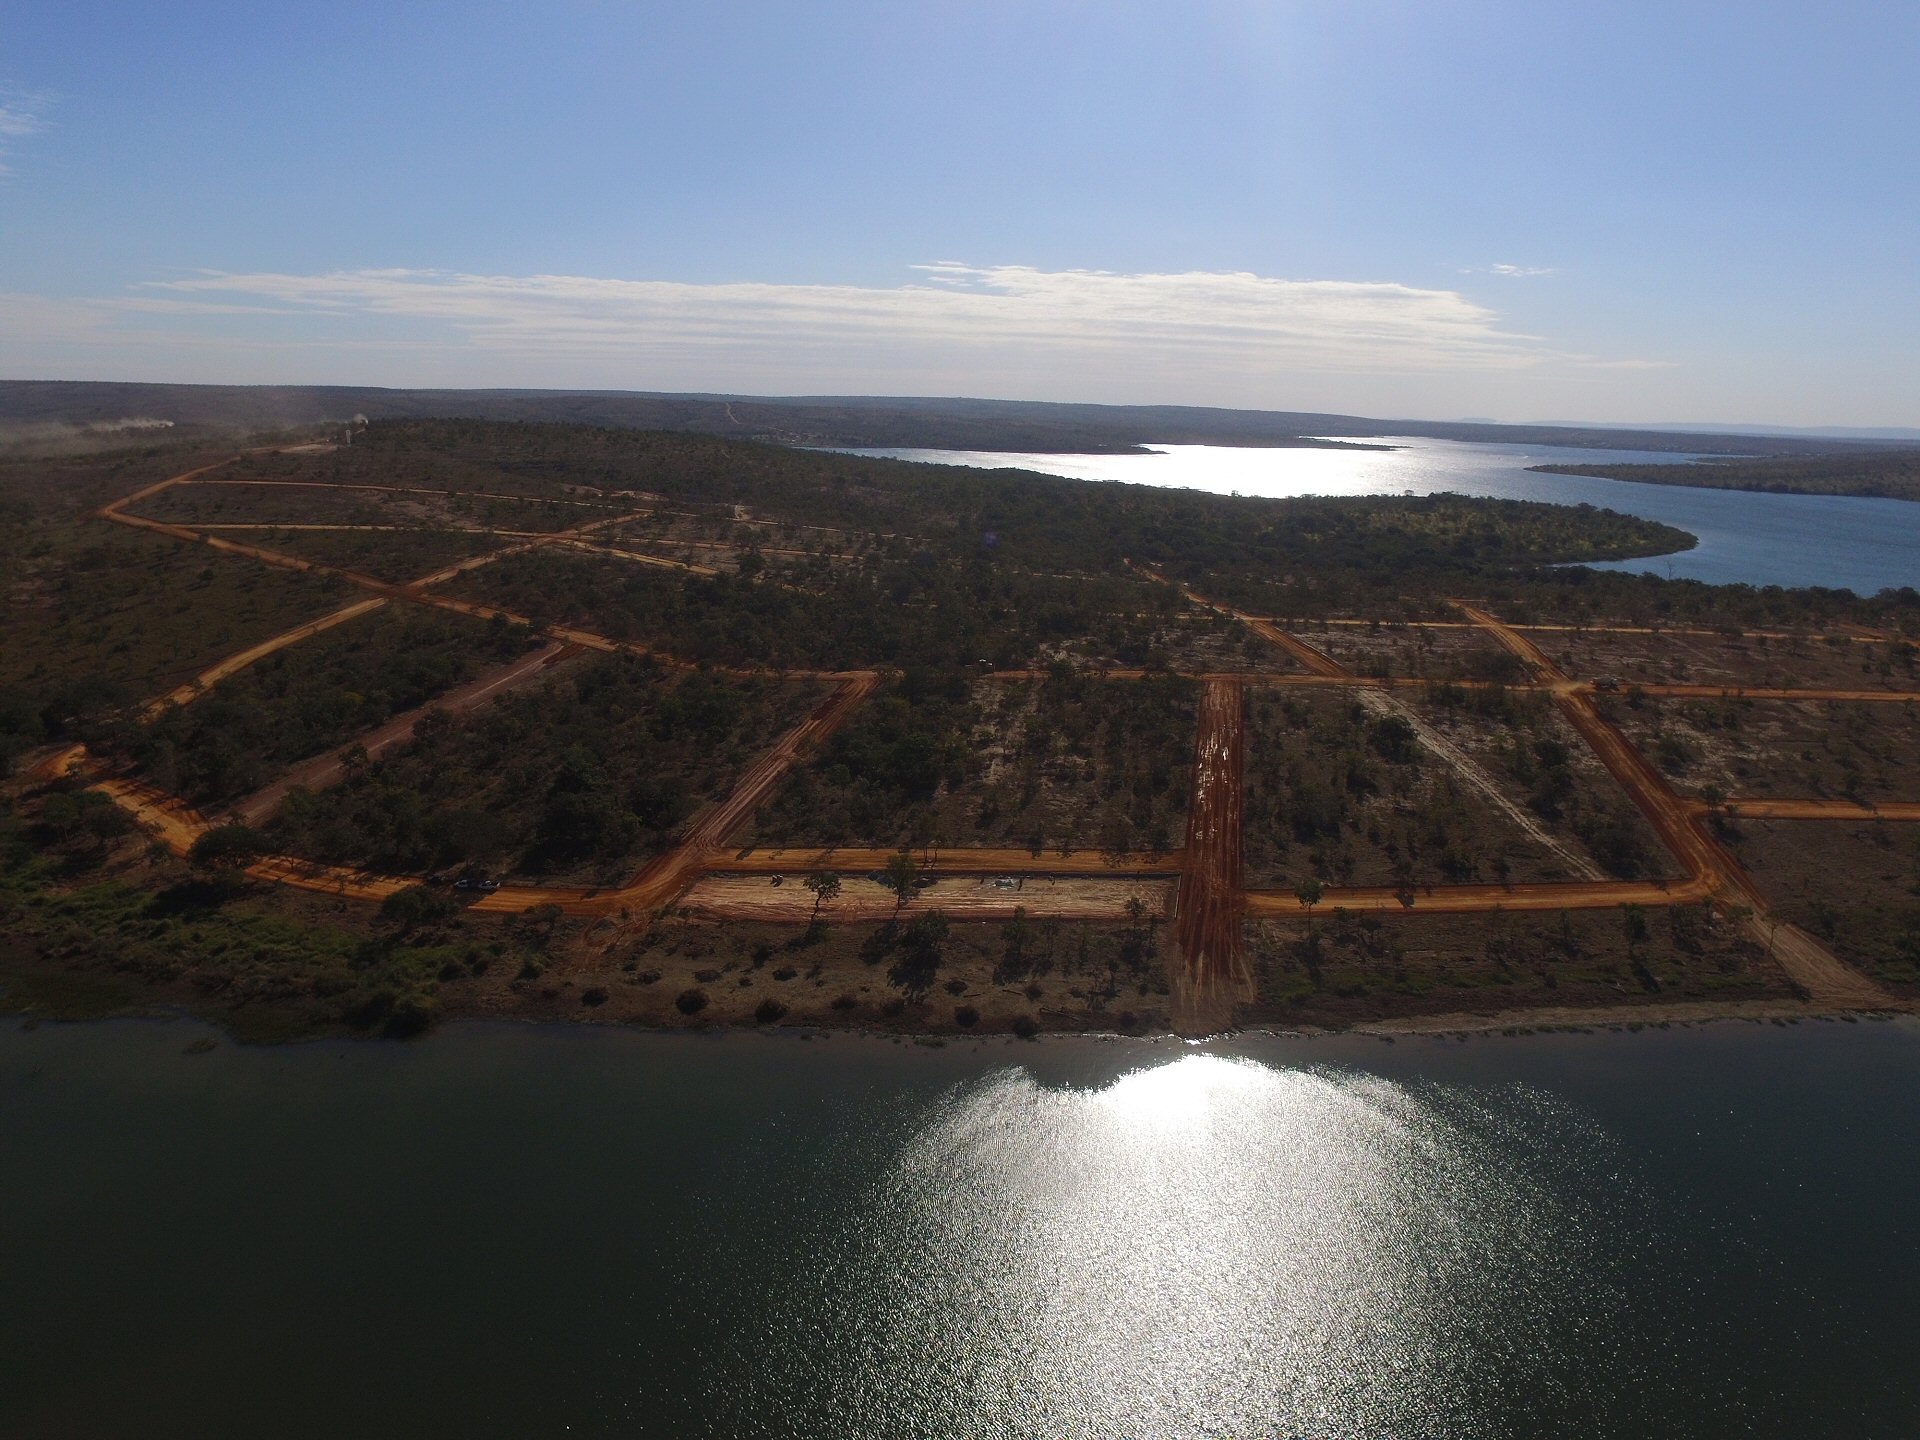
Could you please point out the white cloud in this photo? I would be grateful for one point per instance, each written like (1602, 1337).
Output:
(952, 313)
(1198, 338)
(1520, 271)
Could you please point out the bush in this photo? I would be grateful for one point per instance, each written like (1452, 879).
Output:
(228, 847)
(594, 996)
(1025, 1026)
(690, 1002)
(412, 1013)
(769, 1011)
(966, 1015)
(417, 905)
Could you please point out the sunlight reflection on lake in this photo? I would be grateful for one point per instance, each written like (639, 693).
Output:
(1757, 539)
(1215, 1246)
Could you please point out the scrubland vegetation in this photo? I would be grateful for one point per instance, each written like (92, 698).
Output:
(994, 609)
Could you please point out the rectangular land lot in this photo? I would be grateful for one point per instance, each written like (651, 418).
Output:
(1067, 764)
(1344, 789)
(1789, 749)
(1541, 765)
(580, 779)
(1839, 662)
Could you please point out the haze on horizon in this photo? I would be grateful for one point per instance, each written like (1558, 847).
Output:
(1631, 212)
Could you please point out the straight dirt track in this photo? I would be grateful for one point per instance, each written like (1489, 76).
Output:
(1208, 908)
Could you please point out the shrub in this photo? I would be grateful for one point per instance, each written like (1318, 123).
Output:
(595, 996)
(1025, 1026)
(769, 1010)
(966, 1015)
(228, 847)
(691, 1002)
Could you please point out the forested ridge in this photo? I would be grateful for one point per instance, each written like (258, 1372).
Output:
(1893, 475)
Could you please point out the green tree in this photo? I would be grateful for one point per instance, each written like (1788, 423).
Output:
(1309, 892)
(825, 886)
(902, 871)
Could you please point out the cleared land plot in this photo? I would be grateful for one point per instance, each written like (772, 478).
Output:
(1733, 661)
(1855, 885)
(235, 502)
(1363, 967)
(581, 778)
(1339, 792)
(1420, 651)
(1784, 748)
(950, 978)
(1069, 763)
(396, 555)
(1544, 768)
(126, 616)
(313, 697)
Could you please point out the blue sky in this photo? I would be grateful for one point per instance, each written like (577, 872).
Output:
(1623, 211)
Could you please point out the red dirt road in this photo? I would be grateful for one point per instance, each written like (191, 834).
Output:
(1478, 899)
(1739, 809)
(1809, 965)
(1207, 911)
(952, 860)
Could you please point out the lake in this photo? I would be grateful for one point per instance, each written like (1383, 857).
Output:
(1841, 541)
(530, 1231)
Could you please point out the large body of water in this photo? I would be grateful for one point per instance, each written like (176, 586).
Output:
(1846, 542)
(521, 1232)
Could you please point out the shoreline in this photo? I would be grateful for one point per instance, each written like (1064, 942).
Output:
(1555, 1019)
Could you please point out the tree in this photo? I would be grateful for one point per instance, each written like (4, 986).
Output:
(1634, 920)
(1309, 892)
(901, 873)
(825, 886)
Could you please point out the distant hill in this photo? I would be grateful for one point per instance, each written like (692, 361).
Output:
(880, 421)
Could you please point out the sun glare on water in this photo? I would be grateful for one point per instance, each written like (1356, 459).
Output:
(1210, 1246)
